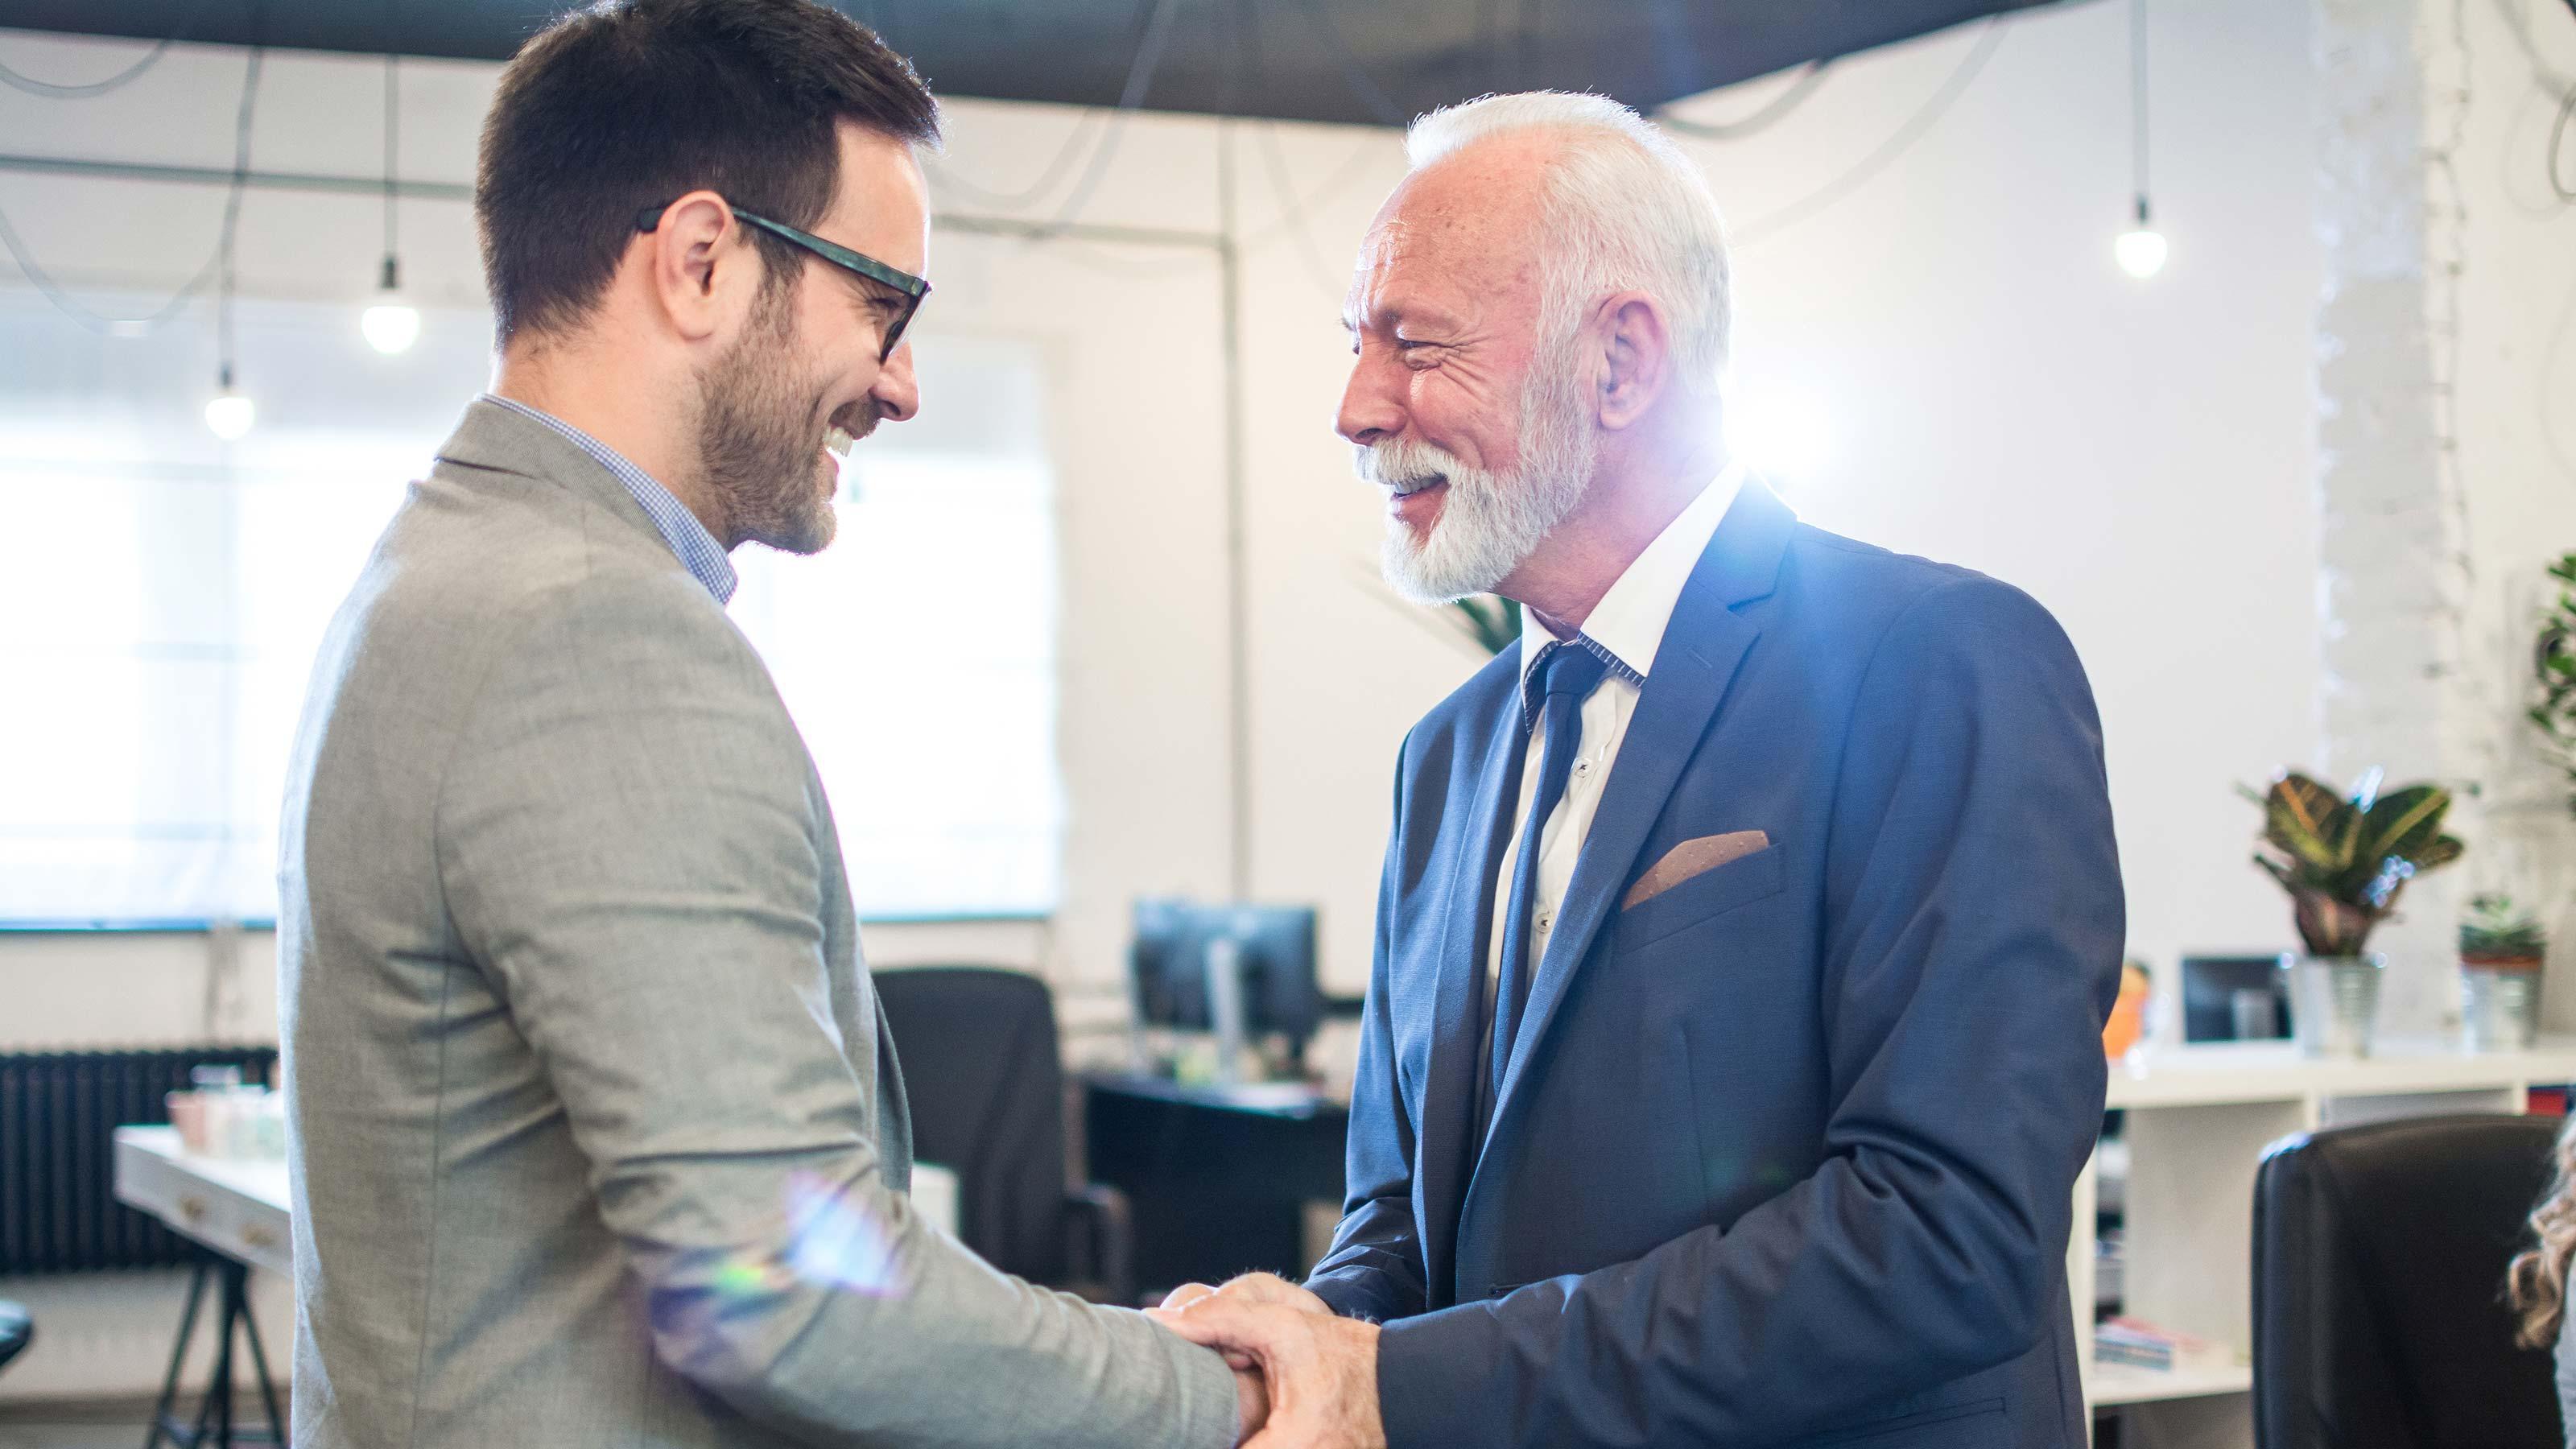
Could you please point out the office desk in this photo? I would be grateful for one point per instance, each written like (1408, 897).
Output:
(1219, 1177)
(241, 1214)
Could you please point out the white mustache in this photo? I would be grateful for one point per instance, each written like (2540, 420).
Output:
(1404, 467)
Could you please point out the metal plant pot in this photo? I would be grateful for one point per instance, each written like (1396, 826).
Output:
(2499, 1006)
(2334, 1002)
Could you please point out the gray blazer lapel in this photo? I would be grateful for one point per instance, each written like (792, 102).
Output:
(1701, 649)
(497, 439)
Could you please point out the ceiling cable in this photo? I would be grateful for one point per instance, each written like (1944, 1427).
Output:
(56, 91)
(1894, 146)
(1762, 118)
(160, 317)
(1048, 175)
(1353, 74)
(1140, 79)
(2558, 179)
(1131, 97)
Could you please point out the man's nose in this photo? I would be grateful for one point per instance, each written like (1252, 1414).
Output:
(897, 392)
(1372, 409)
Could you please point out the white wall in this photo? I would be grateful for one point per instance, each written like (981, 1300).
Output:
(1997, 395)
(2516, 428)
(2139, 456)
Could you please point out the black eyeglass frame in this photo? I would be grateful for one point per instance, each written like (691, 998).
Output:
(913, 288)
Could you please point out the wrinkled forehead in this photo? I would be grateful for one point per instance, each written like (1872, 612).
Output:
(1462, 233)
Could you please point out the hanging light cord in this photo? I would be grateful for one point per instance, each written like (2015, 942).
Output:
(2138, 101)
(393, 64)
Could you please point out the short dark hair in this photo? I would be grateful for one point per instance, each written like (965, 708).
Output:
(627, 103)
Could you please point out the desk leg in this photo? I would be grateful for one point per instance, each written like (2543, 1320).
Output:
(178, 1355)
(259, 1359)
(214, 1425)
(215, 1412)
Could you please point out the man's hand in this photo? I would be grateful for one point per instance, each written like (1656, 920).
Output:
(1264, 1288)
(1267, 1288)
(1321, 1371)
(1251, 1394)
(1251, 1403)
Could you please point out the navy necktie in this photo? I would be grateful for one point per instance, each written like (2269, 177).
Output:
(1564, 677)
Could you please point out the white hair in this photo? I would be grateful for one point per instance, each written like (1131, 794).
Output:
(1624, 208)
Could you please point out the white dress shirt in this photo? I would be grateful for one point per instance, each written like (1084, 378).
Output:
(1628, 624)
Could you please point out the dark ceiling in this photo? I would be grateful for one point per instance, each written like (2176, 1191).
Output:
(1317, 60)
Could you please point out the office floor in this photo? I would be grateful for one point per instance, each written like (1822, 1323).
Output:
(71, 1424)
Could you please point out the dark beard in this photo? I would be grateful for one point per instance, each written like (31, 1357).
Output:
(759, 434)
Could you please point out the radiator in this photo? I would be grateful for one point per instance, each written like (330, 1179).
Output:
(58, 1207)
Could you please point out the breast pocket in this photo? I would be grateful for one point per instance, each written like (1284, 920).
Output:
(1732, 885)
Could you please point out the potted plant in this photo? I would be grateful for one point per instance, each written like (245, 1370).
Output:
(2501, 946)
(2553, 671)
(2344, 861)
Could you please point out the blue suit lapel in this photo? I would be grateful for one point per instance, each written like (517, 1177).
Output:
(1702, 646)
(1443, 1153)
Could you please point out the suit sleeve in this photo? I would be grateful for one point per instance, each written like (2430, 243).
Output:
(627, 839)
(1973, 926)
(1375, 1268)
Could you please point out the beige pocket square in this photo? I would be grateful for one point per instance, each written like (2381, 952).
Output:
(1693, 858)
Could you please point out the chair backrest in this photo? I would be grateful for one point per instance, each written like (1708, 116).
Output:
(2379, 1264)
(978, 1051)
(17, 1330)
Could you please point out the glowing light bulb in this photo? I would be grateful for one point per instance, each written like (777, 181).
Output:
(391, 325)
(2140, 252)
(229, 414)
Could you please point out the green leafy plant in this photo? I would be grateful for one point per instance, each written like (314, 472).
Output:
(2498, 932)
(1492, 621)
(2553, 669)
(2344, 859)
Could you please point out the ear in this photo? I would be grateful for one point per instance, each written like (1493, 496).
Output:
(1637, 358)
(701, 266)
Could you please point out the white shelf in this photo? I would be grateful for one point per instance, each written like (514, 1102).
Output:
(2123, 1384)
(2200, 1119)
(2218, 1074)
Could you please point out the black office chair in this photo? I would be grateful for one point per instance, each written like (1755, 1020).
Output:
(978, 1051)
(2379, 1264)
(17, 1330)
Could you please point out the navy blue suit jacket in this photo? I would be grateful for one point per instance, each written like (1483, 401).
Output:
(1784, 1155)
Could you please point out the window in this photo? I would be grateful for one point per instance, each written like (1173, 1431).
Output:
(162, 595)
(917, 653)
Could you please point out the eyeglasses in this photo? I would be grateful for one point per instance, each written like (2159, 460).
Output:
(912, 288)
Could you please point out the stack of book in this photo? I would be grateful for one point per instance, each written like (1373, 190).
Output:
(2140, 1344)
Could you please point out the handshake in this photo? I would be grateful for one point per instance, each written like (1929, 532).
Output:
(1305, 1376)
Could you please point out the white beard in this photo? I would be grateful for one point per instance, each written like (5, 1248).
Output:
(1491, 520)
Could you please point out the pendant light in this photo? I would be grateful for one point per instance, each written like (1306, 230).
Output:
(2140, 250)
(391, 324)
(229, 413)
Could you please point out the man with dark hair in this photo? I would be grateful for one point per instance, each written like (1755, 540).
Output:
(598, 1136)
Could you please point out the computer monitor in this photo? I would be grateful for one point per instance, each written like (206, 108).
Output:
(2234, 998)
(1271, 950)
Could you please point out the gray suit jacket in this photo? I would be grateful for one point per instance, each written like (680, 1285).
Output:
(598, 1137)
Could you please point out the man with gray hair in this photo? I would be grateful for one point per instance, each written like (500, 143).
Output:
(1732, 1043)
